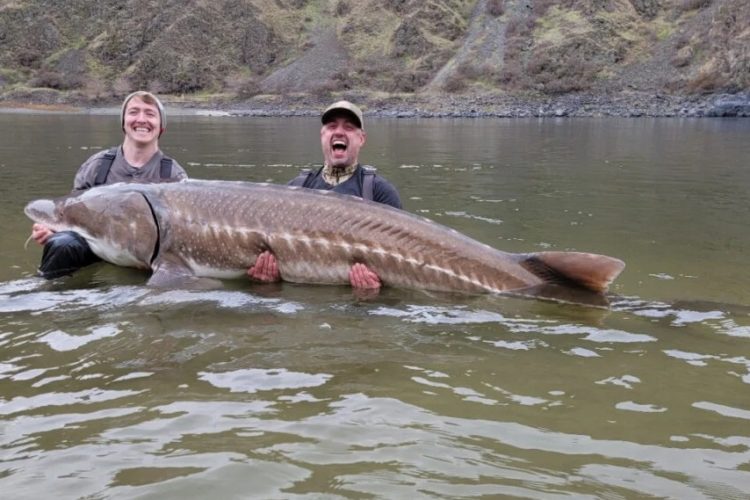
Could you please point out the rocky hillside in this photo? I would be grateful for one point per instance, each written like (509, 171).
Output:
(233, 51)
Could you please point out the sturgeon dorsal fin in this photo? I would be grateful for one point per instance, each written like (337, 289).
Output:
(587, 270)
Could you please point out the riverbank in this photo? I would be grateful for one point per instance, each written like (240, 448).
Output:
(631, 104)
(623, 104)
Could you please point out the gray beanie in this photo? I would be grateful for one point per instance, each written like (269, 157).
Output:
(148, 98)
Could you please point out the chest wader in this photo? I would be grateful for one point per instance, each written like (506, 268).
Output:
(102, 171)
(368, 180)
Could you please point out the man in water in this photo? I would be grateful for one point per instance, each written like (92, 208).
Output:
(341, 138)
(138, 159)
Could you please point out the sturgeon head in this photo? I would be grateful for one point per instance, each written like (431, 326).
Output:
(116, 221)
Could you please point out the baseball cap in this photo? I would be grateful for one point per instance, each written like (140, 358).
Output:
(346, 107)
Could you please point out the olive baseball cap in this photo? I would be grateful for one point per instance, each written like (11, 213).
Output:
(346, 107)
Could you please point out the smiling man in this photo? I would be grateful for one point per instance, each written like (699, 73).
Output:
(341, 138)
(138, 159)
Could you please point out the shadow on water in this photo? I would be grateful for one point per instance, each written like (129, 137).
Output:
(550, 300)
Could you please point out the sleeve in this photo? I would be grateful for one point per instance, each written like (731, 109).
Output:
(385, 192)
(86, 174)
(178, 173)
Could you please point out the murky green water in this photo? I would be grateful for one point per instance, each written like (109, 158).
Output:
(109, 389)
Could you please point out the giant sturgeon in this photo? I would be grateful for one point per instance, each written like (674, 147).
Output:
(199, 228)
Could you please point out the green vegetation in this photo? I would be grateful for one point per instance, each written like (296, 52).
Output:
(241, 48)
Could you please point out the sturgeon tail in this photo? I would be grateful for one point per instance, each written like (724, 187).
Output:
(590, 271)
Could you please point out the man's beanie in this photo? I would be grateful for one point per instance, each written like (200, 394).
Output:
(148, 98)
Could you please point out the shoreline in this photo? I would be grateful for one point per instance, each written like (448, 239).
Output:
(582, 105)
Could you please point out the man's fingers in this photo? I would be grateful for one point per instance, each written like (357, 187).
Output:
(256, 271)
(40, 233)
(360, 276)
(262, 263)
(266, 268)
(270, 266)
(273, 268)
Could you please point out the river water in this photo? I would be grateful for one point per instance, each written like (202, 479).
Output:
(109, 389)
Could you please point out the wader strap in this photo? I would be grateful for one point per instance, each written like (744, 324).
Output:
(368, 182)
(165, 169)
(104, 166)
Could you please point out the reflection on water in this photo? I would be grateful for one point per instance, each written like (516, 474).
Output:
(111, 389)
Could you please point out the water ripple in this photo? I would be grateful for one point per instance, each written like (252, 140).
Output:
(253, 380)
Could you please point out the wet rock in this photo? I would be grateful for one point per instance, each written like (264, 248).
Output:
(731, 106)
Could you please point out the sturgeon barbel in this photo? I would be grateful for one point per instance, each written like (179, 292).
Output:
(200, 228)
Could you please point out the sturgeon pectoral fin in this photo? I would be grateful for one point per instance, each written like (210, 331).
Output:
(587, 270)
(170, 272)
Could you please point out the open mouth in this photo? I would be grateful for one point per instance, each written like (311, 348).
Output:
(338, 146)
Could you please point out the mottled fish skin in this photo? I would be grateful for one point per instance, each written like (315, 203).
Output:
(218, 228)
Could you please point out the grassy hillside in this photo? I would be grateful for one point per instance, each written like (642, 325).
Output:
(236, 49)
